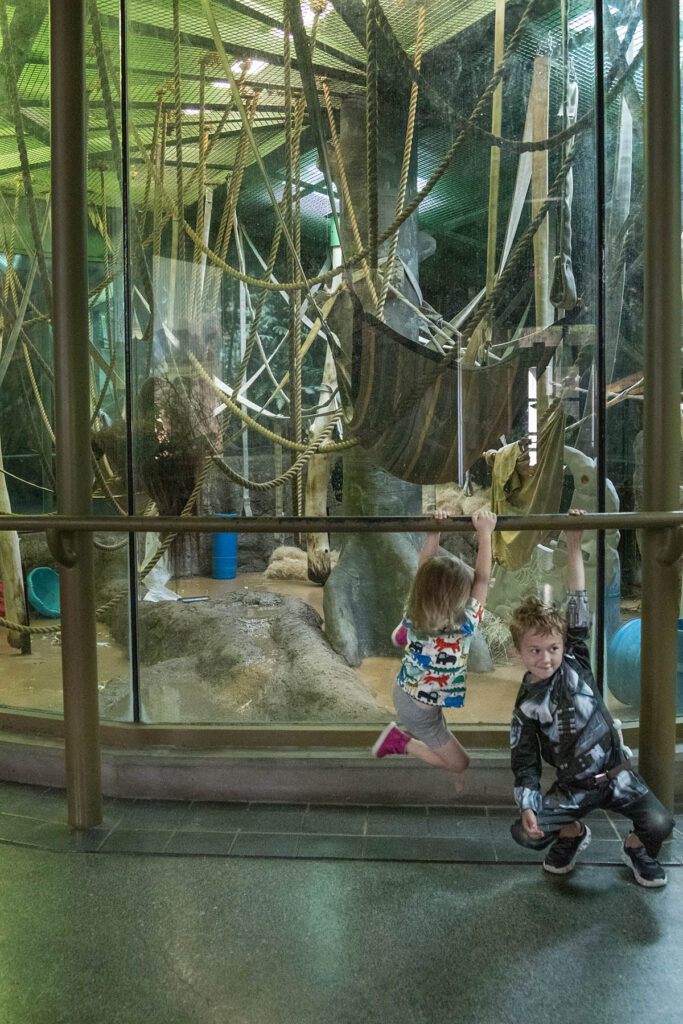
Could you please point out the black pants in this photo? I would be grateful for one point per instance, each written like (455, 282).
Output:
(627, 795)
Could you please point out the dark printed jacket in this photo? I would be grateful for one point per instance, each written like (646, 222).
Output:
(563, 720)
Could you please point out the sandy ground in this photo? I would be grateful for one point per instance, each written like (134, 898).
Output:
(35, 681)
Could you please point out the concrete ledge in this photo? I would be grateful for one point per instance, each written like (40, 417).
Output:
(277, 776)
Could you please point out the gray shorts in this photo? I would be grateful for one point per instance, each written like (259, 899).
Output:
(423, 721)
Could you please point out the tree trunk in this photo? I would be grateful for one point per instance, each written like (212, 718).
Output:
(317, 480)
(366, 591)
(12, 576)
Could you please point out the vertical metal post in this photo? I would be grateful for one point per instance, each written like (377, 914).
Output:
(661, 425)
(599, 370)
(72, 406)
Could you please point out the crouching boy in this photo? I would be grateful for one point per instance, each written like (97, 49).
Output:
(560, 718)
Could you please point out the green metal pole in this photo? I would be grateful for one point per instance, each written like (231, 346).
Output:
(661, 422)
(72, 407)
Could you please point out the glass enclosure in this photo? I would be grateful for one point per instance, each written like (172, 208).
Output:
(344, 260)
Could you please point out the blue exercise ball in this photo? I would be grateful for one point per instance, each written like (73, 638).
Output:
(623, 665)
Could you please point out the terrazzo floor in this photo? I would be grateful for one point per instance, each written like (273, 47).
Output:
(300, 914)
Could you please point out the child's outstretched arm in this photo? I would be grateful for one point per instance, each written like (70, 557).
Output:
(484, 523)
(430, 545)
(574, 538)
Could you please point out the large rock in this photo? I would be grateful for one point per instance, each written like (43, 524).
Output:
(250, 657)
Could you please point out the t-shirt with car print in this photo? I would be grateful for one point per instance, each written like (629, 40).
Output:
(434, 666)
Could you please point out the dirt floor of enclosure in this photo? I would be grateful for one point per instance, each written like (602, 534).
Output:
(34, 681)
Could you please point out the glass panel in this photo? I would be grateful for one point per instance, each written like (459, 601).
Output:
(29, 579)
(256, 157)
(624, 355)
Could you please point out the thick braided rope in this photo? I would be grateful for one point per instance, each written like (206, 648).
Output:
(201, 177)
(158, 211)
(212, 138)
(255, 425)
(371, 126)
(518, 253)
(178, 124)
(155, 142)
(405, 167)
(165, 544)
(9, 273)
(514, 145)
(232, 193)
(104, 72)
(295, 470)
(105, 487)
(356, 258)
(107, 272)
(36, 393)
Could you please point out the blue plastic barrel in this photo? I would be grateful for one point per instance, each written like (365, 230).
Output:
(225, 553)
(623, 664)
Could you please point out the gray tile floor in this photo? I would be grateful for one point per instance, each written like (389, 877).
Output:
(203, 914)
(37, 818)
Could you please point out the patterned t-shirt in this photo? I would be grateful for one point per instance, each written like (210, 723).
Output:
(434, 666)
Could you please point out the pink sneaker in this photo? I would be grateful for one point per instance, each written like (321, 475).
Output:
(390, 741)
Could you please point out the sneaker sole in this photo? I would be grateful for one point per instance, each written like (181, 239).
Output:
(570, 867)
(381, 738)
(654, 883)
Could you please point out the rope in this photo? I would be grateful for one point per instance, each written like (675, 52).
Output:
(196, 291)
(178, 124)
(371, 127)
(166, 543)
(112, 127)
(514, 145)
(158, 219)
(155, 142)
(517, 253)
(36, 393)
(233, 191)
(295, 470)
(105, 487)
(361, 254)
(264, 431)
(405, 167)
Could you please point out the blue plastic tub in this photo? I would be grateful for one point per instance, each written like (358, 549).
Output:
(42, 585)
(225, 553)
(623, 664)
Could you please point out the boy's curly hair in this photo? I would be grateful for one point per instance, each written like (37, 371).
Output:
(532, 614)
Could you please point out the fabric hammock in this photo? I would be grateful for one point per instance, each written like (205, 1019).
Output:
(518, 488)
(424, 419)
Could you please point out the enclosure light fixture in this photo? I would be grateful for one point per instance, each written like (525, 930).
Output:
(253, 66)
(190, 110)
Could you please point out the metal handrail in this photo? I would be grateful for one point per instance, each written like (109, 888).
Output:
(335, 524)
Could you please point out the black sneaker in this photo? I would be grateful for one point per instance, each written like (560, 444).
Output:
(562, 855)
(648, 871)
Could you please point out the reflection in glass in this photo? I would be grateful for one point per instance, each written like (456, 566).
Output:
(362, 279)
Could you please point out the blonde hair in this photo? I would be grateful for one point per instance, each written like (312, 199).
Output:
(534, 616)
(439, 593)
